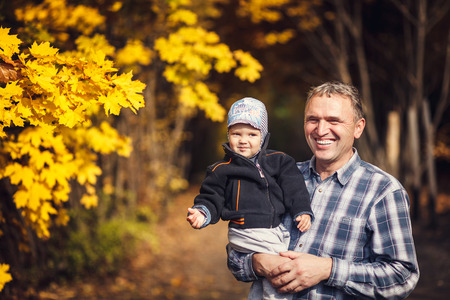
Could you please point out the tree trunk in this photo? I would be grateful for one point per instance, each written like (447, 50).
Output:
(414, 155)
(393, 143)
(430, 164)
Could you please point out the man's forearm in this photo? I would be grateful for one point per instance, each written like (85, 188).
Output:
(390, 280)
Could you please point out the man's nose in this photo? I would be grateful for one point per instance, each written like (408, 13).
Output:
(322, 127)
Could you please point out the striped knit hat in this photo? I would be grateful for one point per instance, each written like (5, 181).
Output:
(249, 111)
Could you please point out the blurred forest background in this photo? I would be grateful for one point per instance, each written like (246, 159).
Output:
(88, 171)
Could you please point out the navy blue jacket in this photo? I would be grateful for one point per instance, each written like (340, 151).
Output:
(236, 189)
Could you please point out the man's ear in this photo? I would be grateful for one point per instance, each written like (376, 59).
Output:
(359, 128)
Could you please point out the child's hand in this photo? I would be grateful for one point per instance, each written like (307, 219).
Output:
(196, 218)
(304, 222)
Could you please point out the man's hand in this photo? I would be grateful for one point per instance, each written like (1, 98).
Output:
(263, 263)
(301, 272)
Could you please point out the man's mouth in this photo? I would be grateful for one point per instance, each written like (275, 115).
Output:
(324, 142)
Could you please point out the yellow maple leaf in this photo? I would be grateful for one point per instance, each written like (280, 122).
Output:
(170, 49)
(61, 193)
(111, 104)
(37, 193)
(7, 93)
(21, 112)
(42, 50)
(46, 210)
(84, 18)
(41, 158)
(89, 201)
(18, 174)
(188, 97)
(251, 69)
(5, 277)
(88, 173)
(48, 177)
(27, 176)
(9, 44)
(71, 118)
(183, 16)
(96, 43)
(134, 52)
(21, 198)
(209, 103)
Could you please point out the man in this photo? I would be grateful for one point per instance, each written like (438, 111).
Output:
(360, 244)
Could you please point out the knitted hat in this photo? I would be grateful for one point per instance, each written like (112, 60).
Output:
(249, 111)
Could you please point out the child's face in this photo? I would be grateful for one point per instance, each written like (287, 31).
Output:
(244, 139)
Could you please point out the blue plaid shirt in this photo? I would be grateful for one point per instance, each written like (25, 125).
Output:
(362, 222)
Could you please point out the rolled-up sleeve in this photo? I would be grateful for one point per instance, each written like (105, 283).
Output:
(240, 265)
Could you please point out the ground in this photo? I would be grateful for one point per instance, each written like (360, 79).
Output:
(191, 264)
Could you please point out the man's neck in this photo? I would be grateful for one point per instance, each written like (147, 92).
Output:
(326, 169)
(324, 175)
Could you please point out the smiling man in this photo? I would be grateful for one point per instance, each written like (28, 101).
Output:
(360, 244)
(331, 126)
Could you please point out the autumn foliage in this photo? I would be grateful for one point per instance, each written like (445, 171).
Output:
(47, 136)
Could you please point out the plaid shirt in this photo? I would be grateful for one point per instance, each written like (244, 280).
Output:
(362, 222)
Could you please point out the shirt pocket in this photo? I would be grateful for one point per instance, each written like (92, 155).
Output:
(345, 238)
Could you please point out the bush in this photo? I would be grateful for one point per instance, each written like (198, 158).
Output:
(95, 245)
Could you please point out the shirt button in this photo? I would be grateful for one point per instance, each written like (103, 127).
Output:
(320, 190)
(301, 245)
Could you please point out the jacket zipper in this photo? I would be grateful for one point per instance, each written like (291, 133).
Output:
(261, 173)
(267, 191)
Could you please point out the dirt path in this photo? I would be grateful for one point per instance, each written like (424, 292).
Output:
(190, 264)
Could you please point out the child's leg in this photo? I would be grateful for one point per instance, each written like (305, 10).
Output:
(261, 240)
(256, 291)
(263, 290)
(270, 293)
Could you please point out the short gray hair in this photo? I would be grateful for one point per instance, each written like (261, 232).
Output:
(342, 89)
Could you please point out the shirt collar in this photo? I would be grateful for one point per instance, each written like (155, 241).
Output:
(344, 174)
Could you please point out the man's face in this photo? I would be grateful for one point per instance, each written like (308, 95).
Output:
(244, 139)
(330, 130)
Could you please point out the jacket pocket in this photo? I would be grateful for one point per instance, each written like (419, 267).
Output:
(233, 195)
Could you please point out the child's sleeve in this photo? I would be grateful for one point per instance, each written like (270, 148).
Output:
(296, 197)
(211, 196)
